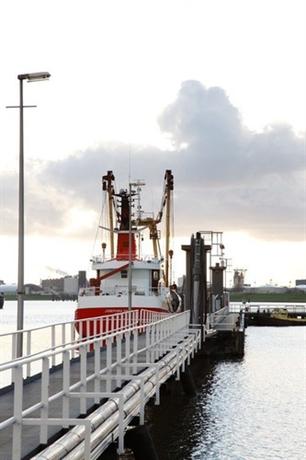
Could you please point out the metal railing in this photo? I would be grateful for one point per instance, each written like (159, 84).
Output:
(50, 337)
(254, 307)
(121, 290)
(168, 345)
(216, 317)
(225, 320)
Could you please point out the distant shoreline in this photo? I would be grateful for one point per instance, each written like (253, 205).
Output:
(268, 296)
(9, 297)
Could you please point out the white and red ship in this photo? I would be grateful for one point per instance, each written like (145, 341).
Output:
(126, 281)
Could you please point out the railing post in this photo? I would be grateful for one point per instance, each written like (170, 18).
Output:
(28, 336)
(82, 324)
(63, 334)
(106, 324)
(53, 343)
(135, 350)
(142, 403)
(127, 350)
(108, 364)
(66, 385)
(153, 343)
(158, 340)
(88, 332)
(95, 327)
(43, 439)
(157, 393)
(72, 336)
(14, 342)
(97, 369)
(83, 368)
(119, 359)
(17, 427)
(121, 425)
(147, 343)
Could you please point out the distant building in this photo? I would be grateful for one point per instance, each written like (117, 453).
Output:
(53, 285)
(69, 285)
(82, 279)
(301, 285)
(238, 279)
(8, 288)
(32, 289)
(300, 282)
(266, 289)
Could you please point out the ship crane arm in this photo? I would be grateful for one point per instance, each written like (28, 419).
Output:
(112, 272)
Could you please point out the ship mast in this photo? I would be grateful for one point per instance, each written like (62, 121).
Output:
(107, 182)
(168, 195)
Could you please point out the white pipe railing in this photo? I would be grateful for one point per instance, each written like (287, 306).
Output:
(161, 336)
(216, 317)
(50, 337)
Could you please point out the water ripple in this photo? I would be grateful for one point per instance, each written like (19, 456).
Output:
(250, 409)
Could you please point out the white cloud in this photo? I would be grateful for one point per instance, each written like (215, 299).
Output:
(226, 176)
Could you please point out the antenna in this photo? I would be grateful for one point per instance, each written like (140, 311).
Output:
(130, 163)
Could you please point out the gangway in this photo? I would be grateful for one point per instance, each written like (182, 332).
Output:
(73, 398)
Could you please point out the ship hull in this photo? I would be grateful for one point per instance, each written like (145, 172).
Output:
(266, 319)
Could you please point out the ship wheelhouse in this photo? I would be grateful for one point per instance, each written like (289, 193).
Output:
(146, 278)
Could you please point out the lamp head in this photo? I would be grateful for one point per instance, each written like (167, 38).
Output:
(36, 76)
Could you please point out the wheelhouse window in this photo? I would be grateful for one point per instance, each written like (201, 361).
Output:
(124, 274)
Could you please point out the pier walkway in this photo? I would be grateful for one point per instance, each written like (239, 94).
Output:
(77, 395)
(77, 389)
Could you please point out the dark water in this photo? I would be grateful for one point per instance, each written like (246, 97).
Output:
(254, 408)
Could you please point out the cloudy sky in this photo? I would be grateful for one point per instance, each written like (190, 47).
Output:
(214, 90)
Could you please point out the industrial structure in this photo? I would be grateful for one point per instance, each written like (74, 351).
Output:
(67, 284)
(238, 282)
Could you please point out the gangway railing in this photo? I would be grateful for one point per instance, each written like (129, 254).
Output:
(168, 345)
(225, 320)
(49, 337)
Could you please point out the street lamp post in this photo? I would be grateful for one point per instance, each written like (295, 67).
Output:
(30, 77)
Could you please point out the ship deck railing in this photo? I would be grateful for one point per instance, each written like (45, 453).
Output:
(121, 290)
(125, 374)
(261, 307)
